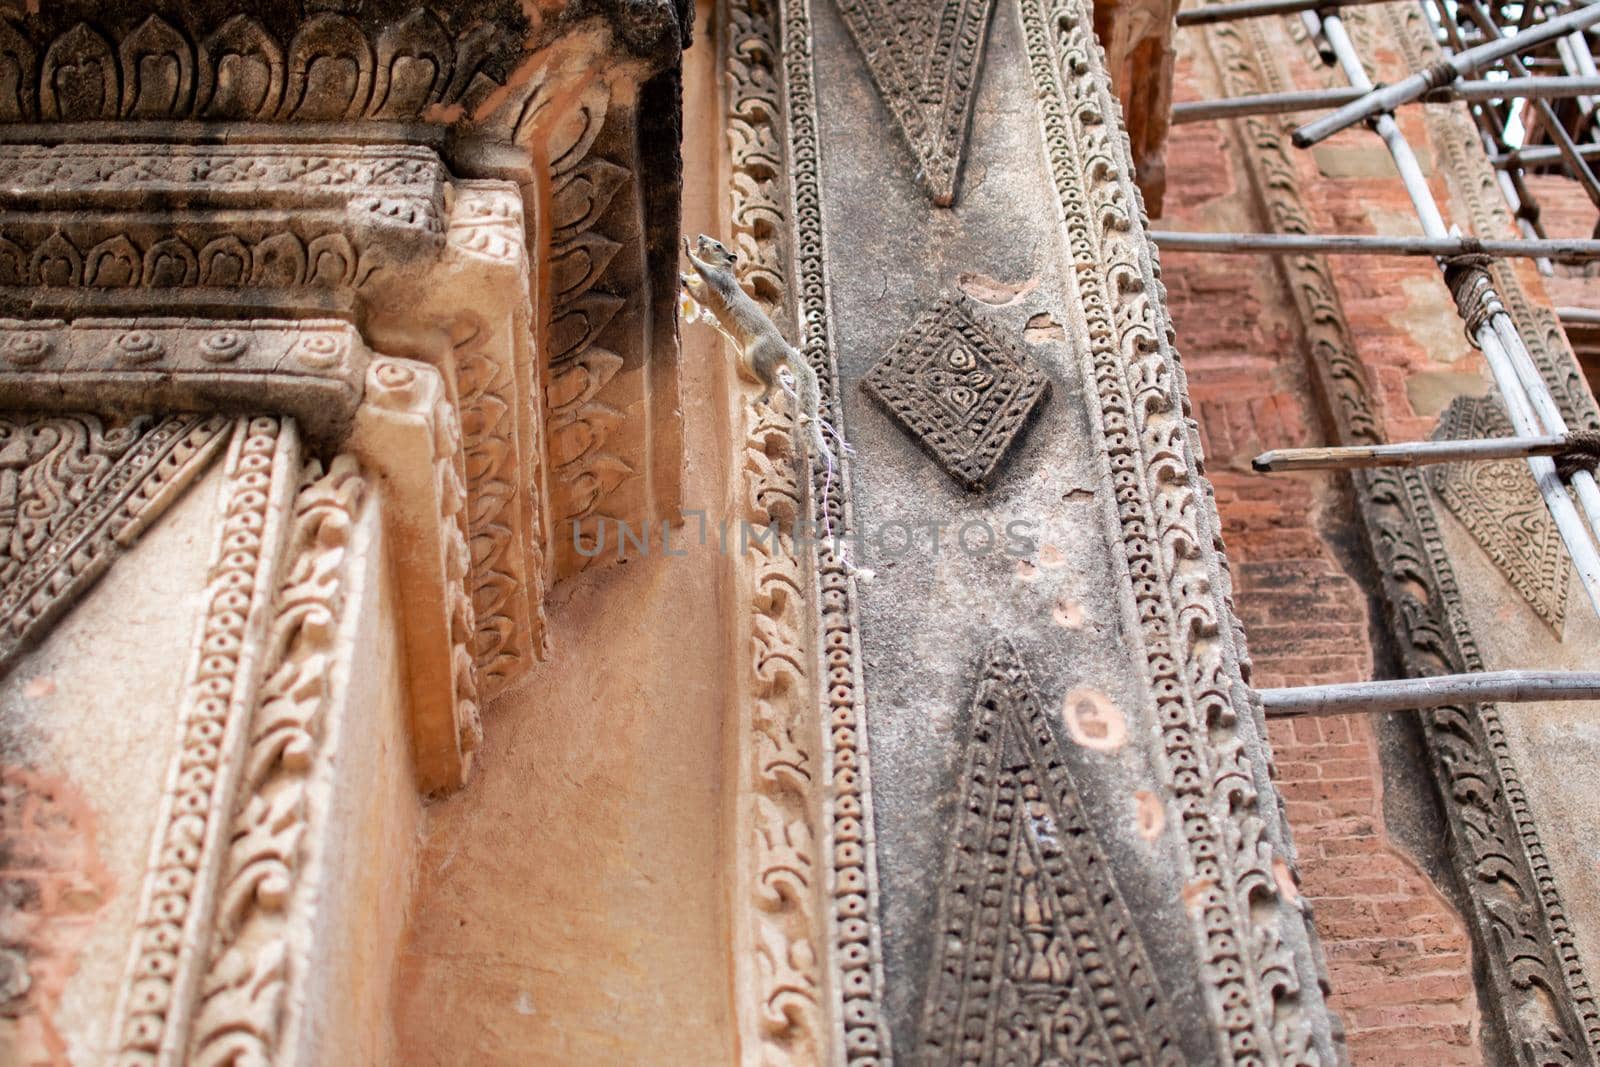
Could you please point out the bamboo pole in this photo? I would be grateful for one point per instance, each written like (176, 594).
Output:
(1250, 9)
(1539, 154)
(1384, 99)
(1410, 454)
(1564, 249)
(1408, 694)
(1521, 388)
(1578, 316)
(1554, 127)
(1315, 99)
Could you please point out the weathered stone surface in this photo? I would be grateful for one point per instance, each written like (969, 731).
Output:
(1116, 534)
(91, 759)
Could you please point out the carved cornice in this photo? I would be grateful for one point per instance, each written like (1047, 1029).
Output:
(1522, 939)
(78, 232)
(196, 178)
(313, 370)
(301, 63)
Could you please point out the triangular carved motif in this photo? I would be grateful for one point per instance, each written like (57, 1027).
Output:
(74, 494)
(923, 56)
(1500, 506)
(1037, 960)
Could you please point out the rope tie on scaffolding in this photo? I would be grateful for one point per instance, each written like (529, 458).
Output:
(1438, 74)
(1467, 275)
(1581, 454)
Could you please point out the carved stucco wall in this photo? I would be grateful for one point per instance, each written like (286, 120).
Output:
(320, 320)
(750, 791)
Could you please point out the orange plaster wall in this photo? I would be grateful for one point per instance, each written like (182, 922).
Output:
(571, 905)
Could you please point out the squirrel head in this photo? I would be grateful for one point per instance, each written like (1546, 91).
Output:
(715, 252)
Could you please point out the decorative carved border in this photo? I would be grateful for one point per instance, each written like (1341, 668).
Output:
(861, 1034)
(501, 420)
(67, 512)
(1258, 960)
(240, 1014)
(397, 184)
(777, 226)
(405, 69)
(178, 901)
(779, 924)
(1520, 932)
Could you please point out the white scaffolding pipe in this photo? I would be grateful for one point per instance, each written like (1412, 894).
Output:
(1497, 337)
(1379, 101)
(1527, 88)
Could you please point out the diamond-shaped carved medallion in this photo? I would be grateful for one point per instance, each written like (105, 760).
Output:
(964, 391)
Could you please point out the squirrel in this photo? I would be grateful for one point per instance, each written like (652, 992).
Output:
(761, 348)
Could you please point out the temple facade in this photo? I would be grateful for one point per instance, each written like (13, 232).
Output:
(422, 643)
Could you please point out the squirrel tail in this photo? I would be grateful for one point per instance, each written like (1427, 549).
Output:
(810, 396)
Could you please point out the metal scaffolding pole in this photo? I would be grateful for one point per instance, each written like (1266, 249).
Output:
(1527, 397)
(1315, 99)
(1551, 121)
(1578, 316)
(1379, 101)
(1251, 9)
(1415, 694)
(1565, 249)
(1538, 154)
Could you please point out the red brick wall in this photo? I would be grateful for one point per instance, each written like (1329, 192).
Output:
(1398, 957)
